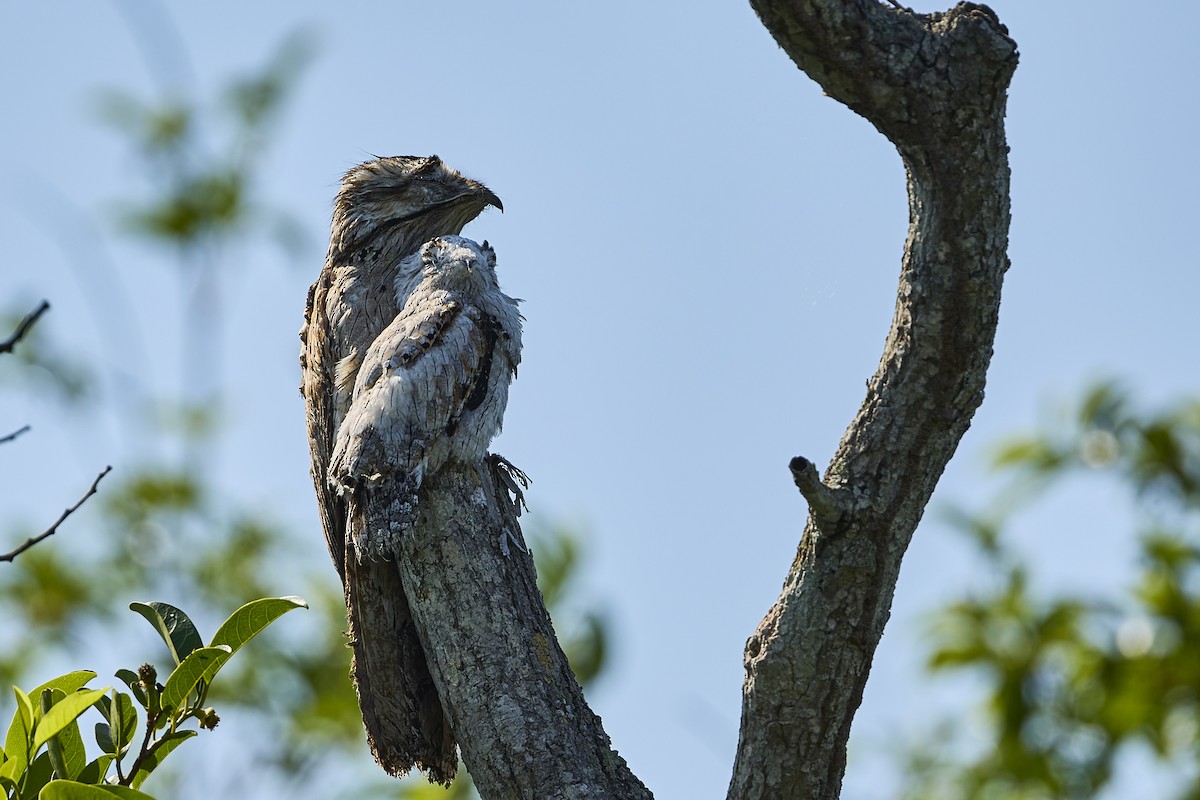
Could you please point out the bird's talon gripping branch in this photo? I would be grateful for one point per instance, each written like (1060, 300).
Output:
(510, 478)
(509, 536)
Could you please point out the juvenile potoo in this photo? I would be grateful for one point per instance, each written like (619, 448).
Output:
(384, 211)
(431, 389)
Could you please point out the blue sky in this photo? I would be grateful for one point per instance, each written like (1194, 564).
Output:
(707, 248)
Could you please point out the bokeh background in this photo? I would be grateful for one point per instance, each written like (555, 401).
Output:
(707, 249)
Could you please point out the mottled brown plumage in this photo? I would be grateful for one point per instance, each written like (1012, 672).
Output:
(384, 211)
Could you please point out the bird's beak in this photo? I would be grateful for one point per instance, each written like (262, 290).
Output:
(490, 198)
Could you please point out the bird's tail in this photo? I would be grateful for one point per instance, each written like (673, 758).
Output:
(402, 712)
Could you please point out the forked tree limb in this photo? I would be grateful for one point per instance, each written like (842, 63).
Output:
(936, 86)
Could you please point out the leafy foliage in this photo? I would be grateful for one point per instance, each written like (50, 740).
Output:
(48, 716)
(1075, 681)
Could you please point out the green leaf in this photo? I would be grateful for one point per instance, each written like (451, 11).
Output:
(246, 623)
(160, 751)
(16, 743)
(71, 682)
(95, 771)
(173, 626)
(104, 738)
(54, 748)
(63, 713)
(65, 749)
(71, 790)
(130, 679)
(117, 734)
(11, 772)
(189, 673)
(122, 720)
(38, 775)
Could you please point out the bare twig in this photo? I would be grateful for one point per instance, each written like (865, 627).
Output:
(8, 344)
(14, 434)
(62, 518)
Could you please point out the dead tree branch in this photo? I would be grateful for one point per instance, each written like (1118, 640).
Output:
(61, 519)
(936, 86)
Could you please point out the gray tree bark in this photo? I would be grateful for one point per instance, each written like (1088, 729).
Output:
(935, 85)
(522, 724)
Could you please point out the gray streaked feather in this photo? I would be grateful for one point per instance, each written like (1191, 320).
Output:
(432, 387)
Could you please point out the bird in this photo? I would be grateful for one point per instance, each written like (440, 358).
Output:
(431, 389)
(385, 209)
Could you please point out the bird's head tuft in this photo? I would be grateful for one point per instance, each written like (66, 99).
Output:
(411, 197)
(458, 264)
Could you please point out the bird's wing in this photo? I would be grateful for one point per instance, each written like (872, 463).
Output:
(415, 381)
(317, 367)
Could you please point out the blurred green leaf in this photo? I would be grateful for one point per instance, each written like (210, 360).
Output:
(155, 129)
(257, 98)
(1030, 453)
(587, 649)
(556, 555)
(197, 206)
(151, 491)
(1104, 405)
(50, 590)
(1073, 681)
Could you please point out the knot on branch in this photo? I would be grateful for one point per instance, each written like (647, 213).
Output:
(827, 504)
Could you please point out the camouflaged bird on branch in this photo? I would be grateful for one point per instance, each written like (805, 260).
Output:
(386, 210)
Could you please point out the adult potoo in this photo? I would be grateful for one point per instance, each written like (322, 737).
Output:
(432, 389)
(384, 211)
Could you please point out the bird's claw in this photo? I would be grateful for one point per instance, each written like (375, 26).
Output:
(508, 536)
(512, 479)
